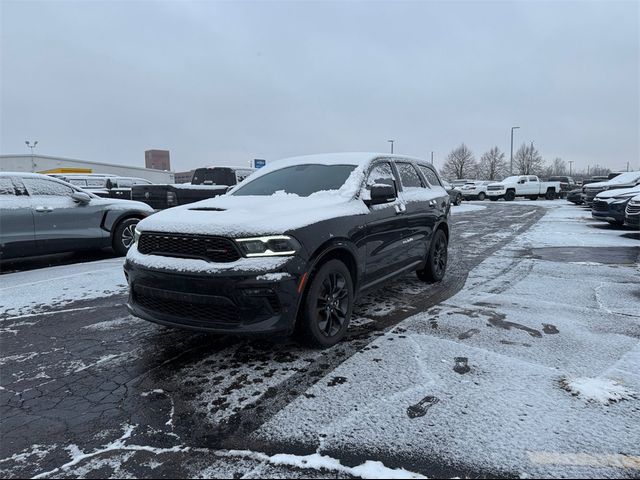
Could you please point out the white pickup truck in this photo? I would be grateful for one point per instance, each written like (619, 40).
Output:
(528, 186)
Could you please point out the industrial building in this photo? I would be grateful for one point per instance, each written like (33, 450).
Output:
(48, 164)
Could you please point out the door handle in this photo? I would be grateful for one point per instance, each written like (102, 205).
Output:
(44, 209)
(400, 208)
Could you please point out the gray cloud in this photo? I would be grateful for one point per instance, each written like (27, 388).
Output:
(224, 82)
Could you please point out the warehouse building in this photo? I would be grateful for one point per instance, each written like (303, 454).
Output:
(48, 164)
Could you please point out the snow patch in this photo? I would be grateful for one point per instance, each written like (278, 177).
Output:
(273, 276)
(600, 390)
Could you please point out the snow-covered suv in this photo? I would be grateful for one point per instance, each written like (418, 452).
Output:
(291, 247)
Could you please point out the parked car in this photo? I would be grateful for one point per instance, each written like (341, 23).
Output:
(455, 194)
(632, 213)
(105, 186)
(206, 183)
(475, 190)
(43, 215)
(610, 205)
(623, 180)
(292, 247)
(528, 186)
(460, 182)
(576, 196)
(567, 184)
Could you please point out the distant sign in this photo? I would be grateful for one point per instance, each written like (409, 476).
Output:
(259, 163)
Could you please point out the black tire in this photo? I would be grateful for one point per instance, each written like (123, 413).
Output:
(436, 265)
(550, 195)
(458, 200)
(481, 196)
(533, 197)
(327, 307)
(510, 196)
(123, 235)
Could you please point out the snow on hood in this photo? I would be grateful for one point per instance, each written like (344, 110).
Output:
(623, 178)
(618, 192)
(246, 216)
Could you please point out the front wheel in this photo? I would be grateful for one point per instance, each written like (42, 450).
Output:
(436, 265)
(327, 306)
(510, 196)
(124, 236)
(458, 200)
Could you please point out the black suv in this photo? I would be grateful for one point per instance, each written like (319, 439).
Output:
(292, 247)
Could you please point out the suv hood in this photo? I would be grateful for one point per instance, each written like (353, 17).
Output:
(249, 216)
(617, 192)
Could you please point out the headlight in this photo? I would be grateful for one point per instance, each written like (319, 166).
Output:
(136, 236)
(277, 245)
(634, 202)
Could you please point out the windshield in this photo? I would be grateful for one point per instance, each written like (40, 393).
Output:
(213, 176)
(302, 180)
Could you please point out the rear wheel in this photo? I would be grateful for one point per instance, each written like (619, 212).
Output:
(458, 200)
(124, 235)
(436, 265)
(327, 306)
(510, 196)
(551, 195)
(481, 196)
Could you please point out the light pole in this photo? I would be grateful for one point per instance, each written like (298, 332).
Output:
(511, 168)
(391, 142)
(570, 167)
(432, 157)
(32, 146)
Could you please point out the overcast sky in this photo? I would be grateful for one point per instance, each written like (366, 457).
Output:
(225, 82)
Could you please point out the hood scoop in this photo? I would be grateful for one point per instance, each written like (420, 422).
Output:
(208, 209)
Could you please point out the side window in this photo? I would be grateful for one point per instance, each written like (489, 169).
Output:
(39, 186)
(6, 186)
(381, 173)
(409, 176)
(533, 179)
(430, 175)
(124, 183)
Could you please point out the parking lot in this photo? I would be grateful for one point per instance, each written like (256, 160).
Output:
(524, 361)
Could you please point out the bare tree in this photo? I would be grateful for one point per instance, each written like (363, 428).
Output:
(559, 166)
(528, 161)
(460, 163)
(492, 165)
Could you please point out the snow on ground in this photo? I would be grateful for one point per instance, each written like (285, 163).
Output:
(466, 208)
(36, 291)
(479, 383)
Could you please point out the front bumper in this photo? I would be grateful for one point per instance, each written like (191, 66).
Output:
(632, 220)
(608, 211)
(496, 193)
(232, 302)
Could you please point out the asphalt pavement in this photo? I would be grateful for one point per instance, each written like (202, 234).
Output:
(88, 390)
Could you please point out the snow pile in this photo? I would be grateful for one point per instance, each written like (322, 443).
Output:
(600, 390)
(466, 208)
(368, 470)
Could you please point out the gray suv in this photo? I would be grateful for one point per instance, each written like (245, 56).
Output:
(42, 215)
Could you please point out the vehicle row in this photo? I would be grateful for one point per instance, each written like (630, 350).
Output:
(616, 200)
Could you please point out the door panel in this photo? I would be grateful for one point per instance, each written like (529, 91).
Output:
(61, 224)
(383, 229)
(17, 236)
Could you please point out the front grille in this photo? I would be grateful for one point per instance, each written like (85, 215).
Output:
(494, 188)
(197, 310)
(214, 249)
(600, 206)
(633, 209)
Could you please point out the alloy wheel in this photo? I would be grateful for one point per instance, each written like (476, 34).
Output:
(332, 304)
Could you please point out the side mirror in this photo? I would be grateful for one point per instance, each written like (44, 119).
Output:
(381, 193)
(81, 197)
